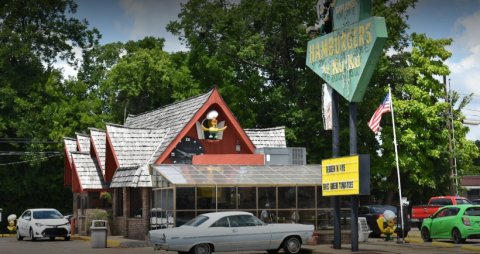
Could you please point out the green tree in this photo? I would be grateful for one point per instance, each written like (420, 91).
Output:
(421, 125)
(36, 105)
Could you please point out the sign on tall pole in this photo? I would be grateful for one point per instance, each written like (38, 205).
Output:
(345, 56)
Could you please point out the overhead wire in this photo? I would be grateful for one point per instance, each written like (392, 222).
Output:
(19, 162)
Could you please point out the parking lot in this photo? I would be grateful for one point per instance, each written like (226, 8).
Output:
(412, 245)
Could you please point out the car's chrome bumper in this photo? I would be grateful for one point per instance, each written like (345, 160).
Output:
(158, 245)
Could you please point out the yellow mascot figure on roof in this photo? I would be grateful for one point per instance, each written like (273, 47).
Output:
(390, 229)
(212, 125)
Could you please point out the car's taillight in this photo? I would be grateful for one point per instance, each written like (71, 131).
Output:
(379, 215)
(466, 222)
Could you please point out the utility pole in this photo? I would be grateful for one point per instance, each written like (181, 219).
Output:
(447, 114)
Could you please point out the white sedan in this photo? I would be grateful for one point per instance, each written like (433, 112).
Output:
(231, 231)
(44, 222)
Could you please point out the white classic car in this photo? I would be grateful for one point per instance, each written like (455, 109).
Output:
(231, 231)
(44, 222)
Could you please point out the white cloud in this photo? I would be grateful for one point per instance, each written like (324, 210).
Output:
(465, 66)
(150, 17)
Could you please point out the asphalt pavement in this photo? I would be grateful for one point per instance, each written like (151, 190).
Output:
(117, 244)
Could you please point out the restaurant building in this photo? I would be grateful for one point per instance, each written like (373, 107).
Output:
(168, 165)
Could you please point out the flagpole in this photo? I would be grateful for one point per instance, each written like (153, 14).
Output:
(396, 157)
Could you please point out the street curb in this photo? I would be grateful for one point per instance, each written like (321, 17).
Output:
(8, 235)
(439, 244)
(413, 240)
(87, 239)
(472, 248)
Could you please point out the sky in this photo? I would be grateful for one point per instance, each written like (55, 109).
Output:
(124, 20)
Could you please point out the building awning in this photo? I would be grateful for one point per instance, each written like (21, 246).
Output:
(168, 175)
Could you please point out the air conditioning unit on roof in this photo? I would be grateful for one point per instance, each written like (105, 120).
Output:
(283, 155)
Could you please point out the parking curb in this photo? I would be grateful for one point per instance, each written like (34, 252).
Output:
(413, 240)
(9, 235)
(472, 248)
(87, 239)
(439, 244)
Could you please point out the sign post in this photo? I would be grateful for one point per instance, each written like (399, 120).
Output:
(345, 56)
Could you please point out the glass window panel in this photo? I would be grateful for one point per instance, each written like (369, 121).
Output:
(206, 198)
(185, 198)
(183, 217)
(226, 198)
(288, 216)
(169, 199)
(325, 219)
(306, 196)
(243, 181)
(286, 197)
(183, 181)
(247, 197)
(283, 181)
(301, 181)
(323, 202)
(267, 195)
(224, 181)
(307, 217)
(163, 199)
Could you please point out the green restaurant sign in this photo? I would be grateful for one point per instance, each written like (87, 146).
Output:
(346, 57)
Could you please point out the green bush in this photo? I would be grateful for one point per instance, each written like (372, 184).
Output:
(97, 214)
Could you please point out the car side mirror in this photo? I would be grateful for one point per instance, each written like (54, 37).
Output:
(430, 216)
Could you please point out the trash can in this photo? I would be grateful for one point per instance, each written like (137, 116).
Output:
(99, 230)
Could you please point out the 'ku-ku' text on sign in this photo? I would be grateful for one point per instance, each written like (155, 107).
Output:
(346, 58)
(346, 176)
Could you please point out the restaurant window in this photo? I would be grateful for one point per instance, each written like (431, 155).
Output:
(247, 198)
(267, 195)
(136, 202)
(185, 198)
(306, 197)
(119, 201)
(206, 198)
(286, 197)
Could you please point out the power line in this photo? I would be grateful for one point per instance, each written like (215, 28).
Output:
(19, 162)
(28, 153)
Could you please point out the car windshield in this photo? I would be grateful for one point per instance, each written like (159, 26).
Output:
(195, 222)
(463, 201)
(382, 209)
(45, 215)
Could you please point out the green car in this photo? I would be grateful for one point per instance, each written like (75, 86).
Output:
(456, 222)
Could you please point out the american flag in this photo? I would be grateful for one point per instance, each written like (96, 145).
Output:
(374, 123)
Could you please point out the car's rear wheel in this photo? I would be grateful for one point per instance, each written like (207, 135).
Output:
(426, 235)
(67, 238)
(457, 236)
(32, 236)
(52, 238)
(292, 245)
(19, 237)
(201, 248)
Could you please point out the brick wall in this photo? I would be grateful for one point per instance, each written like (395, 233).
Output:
(326, 237)
(128, 227)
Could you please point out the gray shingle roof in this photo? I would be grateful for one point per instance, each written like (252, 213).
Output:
(174, 116)
(71, 145)
(84, 142)
(131, 177)
(99, 141)
(269, 137)
(135, 146)
(88, 171)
